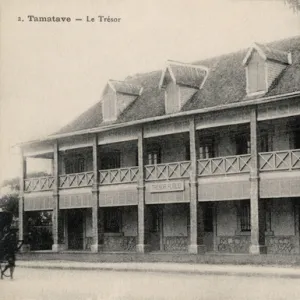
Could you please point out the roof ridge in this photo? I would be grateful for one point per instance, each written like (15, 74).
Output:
(120, 81)
(237, 51)
(226, 84)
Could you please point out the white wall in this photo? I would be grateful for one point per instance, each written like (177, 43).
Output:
(282, 217)
(281, 135)
(88, 223)
(173, 147)
(175, 220)
(226, 218)
(225, 146)
(127, 150)
(128, 155)
(129, 221)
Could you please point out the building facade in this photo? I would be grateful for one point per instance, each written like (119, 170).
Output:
(201, 157)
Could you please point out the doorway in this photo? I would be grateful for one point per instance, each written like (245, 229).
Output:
(155, 227)
(209, 231)
(75, 229)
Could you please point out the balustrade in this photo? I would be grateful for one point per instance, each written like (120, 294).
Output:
(174, 170)
(268, 161)
(39, 184)
(76, 180)
(279, 160)
(224, 165)
(115, 176)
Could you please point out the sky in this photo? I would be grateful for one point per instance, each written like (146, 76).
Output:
(51, 72)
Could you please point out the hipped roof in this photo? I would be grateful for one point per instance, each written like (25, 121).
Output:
(268, 53)
(184, 74)
(225, 84)
(125, 87)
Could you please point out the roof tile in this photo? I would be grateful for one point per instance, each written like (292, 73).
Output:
(226, 83)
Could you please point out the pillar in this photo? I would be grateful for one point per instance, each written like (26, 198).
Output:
(66, 232)
(23, 228)
(100, 229)
(95, 197)
(57, 224)
(257, 208)
(196, 244)
(141, 243)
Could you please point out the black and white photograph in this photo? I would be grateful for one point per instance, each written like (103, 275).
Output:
(150, 150)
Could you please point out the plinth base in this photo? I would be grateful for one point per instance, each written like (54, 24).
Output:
(142, 248)
(58, 247)
(197, 249)
(258, 249)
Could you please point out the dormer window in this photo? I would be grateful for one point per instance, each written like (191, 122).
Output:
(263, 65)
(117, 96)
(256, 75)
(180, 82)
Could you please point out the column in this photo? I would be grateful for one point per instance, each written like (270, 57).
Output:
(66, 232)
(141, 244)
(257, 208)
(95, 197)
(100, 229)
(57, 225)
(196, 209)
(23, 234)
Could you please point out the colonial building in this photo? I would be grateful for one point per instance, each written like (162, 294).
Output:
(200, 157)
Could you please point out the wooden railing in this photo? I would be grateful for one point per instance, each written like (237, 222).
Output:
(268, 161)
(167, 171)
(279, 160)
(39, 184)
(76, 180)
(224, 165)
(115, 176)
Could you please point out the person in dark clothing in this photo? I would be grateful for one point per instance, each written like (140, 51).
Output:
(8, 248)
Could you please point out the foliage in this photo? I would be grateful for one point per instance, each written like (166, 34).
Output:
(293, 4)
(39, 218)
(14, 183)
(10, 203)
(40, 230)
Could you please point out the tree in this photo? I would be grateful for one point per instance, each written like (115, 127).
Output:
(10, 203)
(10, 200)
(293, 4)
(14, 183)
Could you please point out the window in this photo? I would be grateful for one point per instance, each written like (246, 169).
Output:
(295, 133)
(153, 155)
(112, 220)
(137, 157)
(242, 144)
(187, 151)
(109, 105)
(245, 216)
(153, 158)
(154, 221)
(266, 143)
(208, 218)
(256, 74)
(268, 214)
(207, 148)
(74, 164)
(111, 160)
(297, 139)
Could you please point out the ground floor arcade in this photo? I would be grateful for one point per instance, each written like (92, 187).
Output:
(224, 227)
